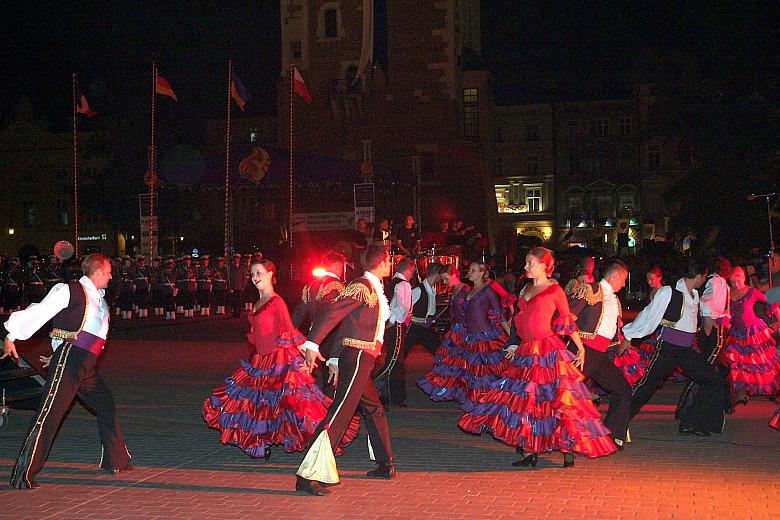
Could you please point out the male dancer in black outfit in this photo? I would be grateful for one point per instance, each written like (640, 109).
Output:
(80, 319)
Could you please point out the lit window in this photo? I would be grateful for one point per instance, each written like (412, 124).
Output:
(533, 198)
(470, 95)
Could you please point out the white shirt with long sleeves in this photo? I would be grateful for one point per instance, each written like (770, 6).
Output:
(715, 298)
(417, 291)
(23, 324)
(401, 301)
(650, 317)
(609, 314)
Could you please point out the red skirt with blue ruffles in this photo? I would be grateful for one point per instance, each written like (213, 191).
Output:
(540, 404)
(630, 364)
(465, 364)
(754, 366)
(270, 401)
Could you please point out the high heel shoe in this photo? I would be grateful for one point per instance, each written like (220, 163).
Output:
(267, 455)
(530, 460)
(568, 460)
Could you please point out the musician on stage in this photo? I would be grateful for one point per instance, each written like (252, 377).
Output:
(361, 310)
(407, 239)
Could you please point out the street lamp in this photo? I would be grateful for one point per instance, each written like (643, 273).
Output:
(11, 231)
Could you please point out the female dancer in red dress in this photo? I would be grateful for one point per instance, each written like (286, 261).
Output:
(470, 358)
(749, 347)
(270, 399)
(540, 404)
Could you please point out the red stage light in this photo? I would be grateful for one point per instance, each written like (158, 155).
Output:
(318, 272)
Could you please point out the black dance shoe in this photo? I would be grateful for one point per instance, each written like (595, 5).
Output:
(568, 460)
(311, 487)
(267, 455)
(530, 460)
(687, 429)
(30, 485)
(383, 470)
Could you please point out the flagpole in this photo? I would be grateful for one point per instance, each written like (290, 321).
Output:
(292, 169)
(227, 162)
(75, 171)
(152, 152)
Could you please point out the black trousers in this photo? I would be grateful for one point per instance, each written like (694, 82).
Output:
(389, 373)
(425, 336)
(711, 347)
(234, 301)
(71, 373)
(600, 367)
(705, 411)
(355, 391)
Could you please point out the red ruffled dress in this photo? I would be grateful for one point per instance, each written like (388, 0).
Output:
(540, 403)
(269, 400)
(775, 421)
(471, 358)
(750, 350)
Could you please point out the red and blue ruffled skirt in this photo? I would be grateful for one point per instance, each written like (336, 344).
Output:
(630, 364)
(751, 354)
(540, 404)
(465, 364)
(269, 401)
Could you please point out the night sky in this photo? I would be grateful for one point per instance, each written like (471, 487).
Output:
(536, 53)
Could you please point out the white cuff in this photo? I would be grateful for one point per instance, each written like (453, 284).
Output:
(10, 338)
(332, 361)
(308, 345)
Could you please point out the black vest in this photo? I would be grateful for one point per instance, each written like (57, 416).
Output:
(71, 318)
(390, 287)
(674, 310)
(420, 308)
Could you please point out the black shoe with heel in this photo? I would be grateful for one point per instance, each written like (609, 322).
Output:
(312, 487)
(568, 460)
(530, 460)
(267, 455)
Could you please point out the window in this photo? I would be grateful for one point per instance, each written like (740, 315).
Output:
(498, 135)
(531, 132)
(470, 114)
(62, 213)
(575, 163)
(625, 126)
(331, 19)
(29, 214)
(599, 128)
(654, 156)
(626, 201)
(367, 150)
(533, 197)
(532, 161)
(573, 129)
(295, 50)
(253, 135)
(498, 166)
(595, 165)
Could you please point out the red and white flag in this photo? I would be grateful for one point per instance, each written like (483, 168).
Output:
(82, 107)
(300, 87)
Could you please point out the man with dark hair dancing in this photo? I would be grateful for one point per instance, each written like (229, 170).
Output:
(361, 310)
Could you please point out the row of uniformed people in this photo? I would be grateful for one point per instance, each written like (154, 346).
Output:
(180, 286)
(23, 283)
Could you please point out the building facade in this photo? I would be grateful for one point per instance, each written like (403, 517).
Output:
(398, 86)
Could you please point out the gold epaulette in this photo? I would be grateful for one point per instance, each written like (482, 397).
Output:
(326, 288)
(305, 294)
(583, 291)
(359, 292)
